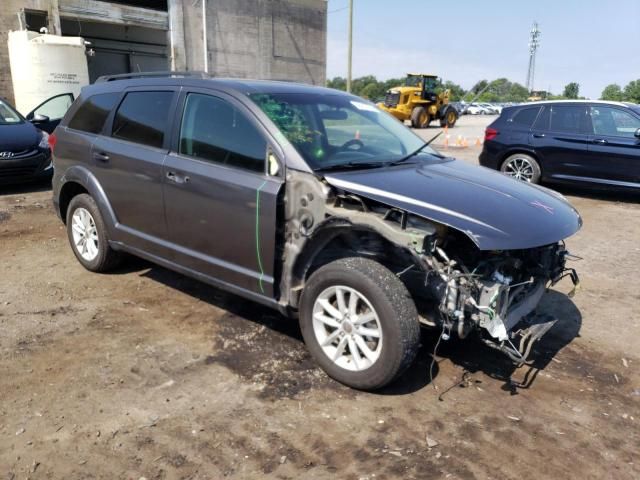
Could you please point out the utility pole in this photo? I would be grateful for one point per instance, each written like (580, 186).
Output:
(350, 48)
(534, 42)
(205, 43)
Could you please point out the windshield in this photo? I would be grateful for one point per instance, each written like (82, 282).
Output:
(8, 115)
(331, 130)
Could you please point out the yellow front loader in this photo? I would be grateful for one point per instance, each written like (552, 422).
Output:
(421, 99)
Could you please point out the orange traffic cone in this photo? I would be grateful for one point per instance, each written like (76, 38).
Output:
(478, 142)
(465, 144)
(446, 141)
(459, 141)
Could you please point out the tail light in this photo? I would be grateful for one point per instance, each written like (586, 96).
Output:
(490, 134)
(52, 141)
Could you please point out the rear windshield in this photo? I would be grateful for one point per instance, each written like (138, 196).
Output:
(8, 115)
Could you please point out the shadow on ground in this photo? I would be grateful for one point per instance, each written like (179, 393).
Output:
(29, 187)
(265, 347)
(624, 196)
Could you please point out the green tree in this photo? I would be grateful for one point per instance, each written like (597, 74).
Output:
(517, 93)
(338, 83)
(632, 91)
(571, 90)
(456, 92)
(612, 92)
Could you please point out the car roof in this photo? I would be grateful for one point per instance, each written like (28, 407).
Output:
(545, 102)
(238, 85)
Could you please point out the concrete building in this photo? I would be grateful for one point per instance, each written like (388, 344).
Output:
(269, 39)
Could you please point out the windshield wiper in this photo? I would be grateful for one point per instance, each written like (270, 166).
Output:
(351, 165)
(413, 154)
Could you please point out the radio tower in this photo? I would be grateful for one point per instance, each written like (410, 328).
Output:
(534, 41)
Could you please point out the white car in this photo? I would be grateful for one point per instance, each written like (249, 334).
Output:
(476, 109)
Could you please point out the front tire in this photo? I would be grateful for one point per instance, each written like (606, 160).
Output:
(359, 322)
(522, 167)
(420, 118)
(88, 235)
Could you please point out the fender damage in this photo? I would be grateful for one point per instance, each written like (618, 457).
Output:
(466, 271)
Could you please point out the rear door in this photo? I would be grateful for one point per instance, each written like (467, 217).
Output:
(614, 150)
(128, 162)
(48, 114)
(560, 137)
(220, 202)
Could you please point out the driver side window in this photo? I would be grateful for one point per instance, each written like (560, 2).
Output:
(613, 122)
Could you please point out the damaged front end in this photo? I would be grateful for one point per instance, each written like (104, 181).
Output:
(496, 292)
(457, 286)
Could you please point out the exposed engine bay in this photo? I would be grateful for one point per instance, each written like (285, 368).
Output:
(457, 287)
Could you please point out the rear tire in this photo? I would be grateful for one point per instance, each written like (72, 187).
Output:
(88, 235)
(522, 167)
(420, 118)
(387, 341)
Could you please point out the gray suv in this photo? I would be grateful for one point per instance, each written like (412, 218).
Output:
(313, 202)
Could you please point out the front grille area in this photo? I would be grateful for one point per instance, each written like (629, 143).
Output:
(28, 152)
(10, 172)
(391, 99)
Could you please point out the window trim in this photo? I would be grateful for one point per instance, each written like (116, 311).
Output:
(107, 128)
(271, 145)
(612, 107)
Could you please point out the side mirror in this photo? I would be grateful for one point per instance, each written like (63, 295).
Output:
(637, 134)
(273, 165)
(38, 118)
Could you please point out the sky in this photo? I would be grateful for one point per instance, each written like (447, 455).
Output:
(591, 42)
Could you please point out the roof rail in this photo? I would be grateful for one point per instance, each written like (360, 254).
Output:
(127, 76)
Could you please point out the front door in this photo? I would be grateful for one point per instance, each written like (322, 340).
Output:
(128, 164)
(48, 114)
(560, 137)
(614, 150)
(220, 203)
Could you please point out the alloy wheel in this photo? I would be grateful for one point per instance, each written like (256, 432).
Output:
(520, 168)
(85, 234)
(347, 328)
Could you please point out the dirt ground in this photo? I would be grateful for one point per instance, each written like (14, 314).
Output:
(146, 373)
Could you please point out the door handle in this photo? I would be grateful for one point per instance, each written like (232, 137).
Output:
(174, 177)
(601, 141)
(538, 135)
(101, 156)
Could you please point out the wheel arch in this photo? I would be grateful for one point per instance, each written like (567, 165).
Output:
(342, 239)
(77, 180)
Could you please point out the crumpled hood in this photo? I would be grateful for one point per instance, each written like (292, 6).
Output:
(495, 211)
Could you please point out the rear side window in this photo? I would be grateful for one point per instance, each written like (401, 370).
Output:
(91, 115)
(568, 119)
(213, 129)
(142, 117)
(525, 117)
